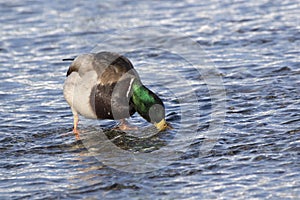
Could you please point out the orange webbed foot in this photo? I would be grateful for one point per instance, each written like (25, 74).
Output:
(124, 126)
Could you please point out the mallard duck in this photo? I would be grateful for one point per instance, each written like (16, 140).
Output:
(105, 85)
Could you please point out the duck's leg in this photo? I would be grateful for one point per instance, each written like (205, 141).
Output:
(124, 126)
(75, 130)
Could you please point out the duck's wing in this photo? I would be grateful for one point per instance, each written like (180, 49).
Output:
(111, 67)
(112, 94)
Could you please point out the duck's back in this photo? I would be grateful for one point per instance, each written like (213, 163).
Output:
(110, 67)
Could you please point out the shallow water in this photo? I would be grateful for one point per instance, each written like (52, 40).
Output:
(253, 46)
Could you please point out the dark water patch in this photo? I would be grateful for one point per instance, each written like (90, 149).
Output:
(130, 142)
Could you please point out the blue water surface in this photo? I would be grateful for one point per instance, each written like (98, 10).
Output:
(253, 47)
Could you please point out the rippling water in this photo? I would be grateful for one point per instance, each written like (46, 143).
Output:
(254, 46)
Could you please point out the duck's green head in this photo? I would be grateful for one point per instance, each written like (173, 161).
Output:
(149, 106)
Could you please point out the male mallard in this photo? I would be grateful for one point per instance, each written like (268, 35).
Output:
(105, 85)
